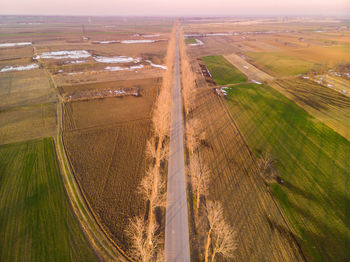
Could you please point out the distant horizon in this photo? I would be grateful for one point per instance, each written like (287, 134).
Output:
(178, 8)
(340, 16)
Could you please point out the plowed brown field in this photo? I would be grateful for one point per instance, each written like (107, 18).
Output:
(105, 141)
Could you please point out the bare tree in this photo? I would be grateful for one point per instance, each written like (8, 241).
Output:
(144, 235)
(266, 163)
(136, 232)
(194, 134)
(151, 150)
(199, 178)
(146, 185)
(187, 77)
(220, 236)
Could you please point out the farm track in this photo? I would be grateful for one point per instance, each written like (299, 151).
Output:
(248, 69)
(104, 246)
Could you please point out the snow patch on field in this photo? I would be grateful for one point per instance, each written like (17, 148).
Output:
(209, 34)
(76, 54)
(19, 68)
(106, 42)
(119, 68)
(155, 65)
(154, 35)
(137, 41)
(116, 59)
(15, 44)
(77, 61)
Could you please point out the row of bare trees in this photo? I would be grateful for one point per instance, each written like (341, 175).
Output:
(145, 234)
(218, 234)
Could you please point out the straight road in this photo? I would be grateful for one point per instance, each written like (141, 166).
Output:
(176, 224)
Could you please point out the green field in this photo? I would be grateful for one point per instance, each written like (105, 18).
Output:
(280, 64)
(36, 219)
(223, 72)
(190, 41)
(313, 161)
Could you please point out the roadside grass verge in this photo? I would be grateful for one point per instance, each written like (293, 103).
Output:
(279, 63)
(223, 72)
(37, 222)
(311, 159)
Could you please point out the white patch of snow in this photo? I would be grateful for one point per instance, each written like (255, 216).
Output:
(77, 61)
(74, 73)
(137, 41)
(256, 82)
(19, 68)
(119, 68)
(154, 35)
(116, 59)
(209, 34)
(106, 42)
(115, 68)
(119, 92)
(198, 42)
(76, 54)
(15, 44)
(135, 67)
(154, 65)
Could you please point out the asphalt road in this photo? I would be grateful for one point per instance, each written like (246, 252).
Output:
(176, 224)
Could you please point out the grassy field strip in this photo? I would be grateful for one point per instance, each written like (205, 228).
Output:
(223, 71)
(312, 160)
(36, 219)
(102, 243)
(249, 207)
(279, 63)
(323, 103)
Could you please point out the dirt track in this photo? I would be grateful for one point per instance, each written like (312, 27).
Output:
(248, 69)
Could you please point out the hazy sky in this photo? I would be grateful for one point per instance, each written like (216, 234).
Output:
(176, 7)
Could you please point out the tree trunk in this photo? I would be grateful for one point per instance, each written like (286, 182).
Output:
(213, 255)
(207, 246)
(198, 194)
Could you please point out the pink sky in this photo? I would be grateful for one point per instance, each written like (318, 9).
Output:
(176, 7)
